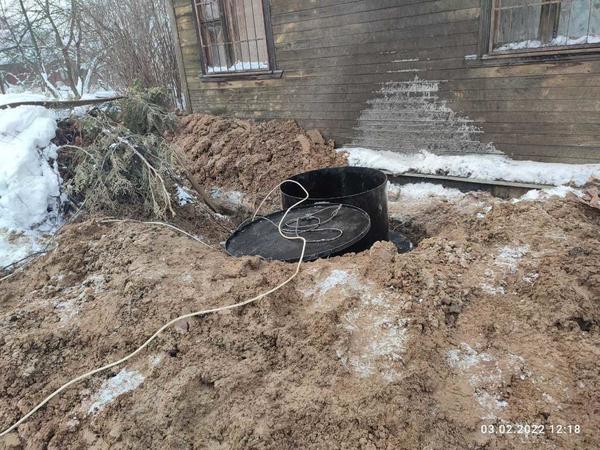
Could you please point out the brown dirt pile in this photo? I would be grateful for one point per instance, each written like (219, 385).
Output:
(248, 156)
(493, 319)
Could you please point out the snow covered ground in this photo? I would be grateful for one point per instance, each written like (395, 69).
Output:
(29, 180)
(482, 167)
(418, 192)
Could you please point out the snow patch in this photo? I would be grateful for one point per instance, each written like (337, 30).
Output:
(6, 99)
(482, 166)
(378, 335)
(29, 180)
(123, 382)
(421, 191)
(537, 194)
(68, 305)
(485, 375)
(509, 257)
(335, 278)
(155, 360)
(184, 197)
(99, 94)
(379, 339)
(239, 66)
(557, 41)
(465, 357)
(493, 290)
(484, 212)
(531, 277)
(233, 197)
(490, 404)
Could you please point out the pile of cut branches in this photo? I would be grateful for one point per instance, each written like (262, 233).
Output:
(123, 165)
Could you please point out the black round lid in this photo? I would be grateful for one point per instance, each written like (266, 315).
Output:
(328, 228)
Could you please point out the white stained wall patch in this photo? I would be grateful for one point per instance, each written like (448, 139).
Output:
(408, 117)
(403, 70)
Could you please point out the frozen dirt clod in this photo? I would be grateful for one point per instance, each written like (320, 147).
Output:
(248, 156)
(375, 350)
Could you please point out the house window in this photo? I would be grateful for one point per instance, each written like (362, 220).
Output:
(234, 36)
(534, 25)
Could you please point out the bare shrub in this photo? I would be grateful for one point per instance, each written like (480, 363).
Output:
(118, 171)
(138, 44)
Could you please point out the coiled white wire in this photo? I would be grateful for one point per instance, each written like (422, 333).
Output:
(185, 316)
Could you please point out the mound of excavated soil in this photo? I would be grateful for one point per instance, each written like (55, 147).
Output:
(493, 319)
(251, 157)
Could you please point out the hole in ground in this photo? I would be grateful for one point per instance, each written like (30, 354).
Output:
(415, 232)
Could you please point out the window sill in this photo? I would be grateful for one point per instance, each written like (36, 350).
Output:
(533, 56)
(223, 77)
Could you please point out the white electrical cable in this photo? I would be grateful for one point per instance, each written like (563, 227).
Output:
(185, 316)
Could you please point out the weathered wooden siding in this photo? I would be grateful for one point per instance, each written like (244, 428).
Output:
(340, 57)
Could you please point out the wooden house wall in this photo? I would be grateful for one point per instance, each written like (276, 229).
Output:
(338, 56)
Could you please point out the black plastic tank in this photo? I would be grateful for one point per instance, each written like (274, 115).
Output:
(362, 187)
(329, 230)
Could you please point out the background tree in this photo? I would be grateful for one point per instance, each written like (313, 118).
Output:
(46, 38)
(66, 46)
(139, 37)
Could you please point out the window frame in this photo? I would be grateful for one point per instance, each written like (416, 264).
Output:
(271, 72)
(486, 43)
